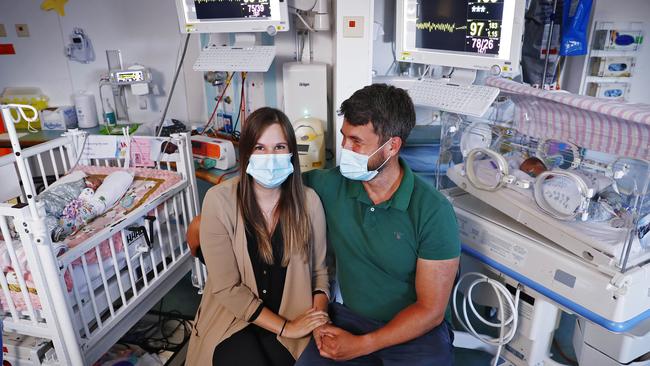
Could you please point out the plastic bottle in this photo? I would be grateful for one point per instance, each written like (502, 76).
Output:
(109, 114)
(86, 110)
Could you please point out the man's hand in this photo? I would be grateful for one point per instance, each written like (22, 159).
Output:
(318, 336)
(340, 345)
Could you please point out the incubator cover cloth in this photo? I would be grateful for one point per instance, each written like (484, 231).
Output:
(598, 124)
(231, 296)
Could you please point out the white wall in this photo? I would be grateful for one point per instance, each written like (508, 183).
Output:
(382, 47)
(146, 32)
(353, 60)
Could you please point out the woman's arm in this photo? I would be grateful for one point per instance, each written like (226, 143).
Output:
(223, 272)
(227, 287)
(297, 328)
(317, 315)
(320, 278)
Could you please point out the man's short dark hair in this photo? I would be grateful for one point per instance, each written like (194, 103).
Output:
(390, 110)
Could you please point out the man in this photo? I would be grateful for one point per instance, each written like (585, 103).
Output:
(395, 241)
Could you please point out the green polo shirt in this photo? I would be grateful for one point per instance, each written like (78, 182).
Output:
(377, 246)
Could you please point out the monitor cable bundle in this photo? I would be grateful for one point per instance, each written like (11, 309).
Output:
(216, 106)
(508, 311)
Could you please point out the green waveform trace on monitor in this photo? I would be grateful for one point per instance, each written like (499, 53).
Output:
(439, 27)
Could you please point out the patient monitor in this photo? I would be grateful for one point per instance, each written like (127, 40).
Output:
(244, 20)
(226, 16)
(477, 35)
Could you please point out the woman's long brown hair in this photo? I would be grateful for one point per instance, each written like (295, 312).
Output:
(292, 211)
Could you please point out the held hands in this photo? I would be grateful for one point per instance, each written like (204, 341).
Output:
(340, 345)
(305, 323)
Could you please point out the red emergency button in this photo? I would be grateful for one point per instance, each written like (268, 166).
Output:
(352, 23)
(7, 49)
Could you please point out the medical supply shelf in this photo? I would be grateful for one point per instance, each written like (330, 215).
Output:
(604, 44)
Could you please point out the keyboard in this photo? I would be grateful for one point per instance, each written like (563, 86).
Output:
(473, 100)
(228, 58)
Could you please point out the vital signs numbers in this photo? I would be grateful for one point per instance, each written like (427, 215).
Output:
(460, 25)
(232, 9)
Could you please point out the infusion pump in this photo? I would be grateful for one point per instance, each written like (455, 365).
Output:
(220, 150)
(311, 143)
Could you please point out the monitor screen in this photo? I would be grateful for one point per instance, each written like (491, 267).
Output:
(462, 26)
(477, 34)
(227, 16)
(224, 9)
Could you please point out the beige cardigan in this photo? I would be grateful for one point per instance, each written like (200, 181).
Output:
(230, 294)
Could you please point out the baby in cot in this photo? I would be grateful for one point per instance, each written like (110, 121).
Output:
(77, 200)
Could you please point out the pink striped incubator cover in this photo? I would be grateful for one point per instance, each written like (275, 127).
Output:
(612, 127)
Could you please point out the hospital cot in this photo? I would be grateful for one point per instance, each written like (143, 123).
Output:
(84, 294)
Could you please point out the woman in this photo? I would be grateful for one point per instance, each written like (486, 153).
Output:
(263, 240)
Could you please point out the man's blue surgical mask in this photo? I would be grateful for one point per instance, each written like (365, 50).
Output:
(355, 166)
(270, 170)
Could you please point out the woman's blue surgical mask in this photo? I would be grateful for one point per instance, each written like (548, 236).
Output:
(270, 170)
(355, 166)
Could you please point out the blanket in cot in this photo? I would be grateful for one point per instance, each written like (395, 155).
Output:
(147, 185)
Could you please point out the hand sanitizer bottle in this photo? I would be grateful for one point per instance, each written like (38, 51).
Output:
(109, 114)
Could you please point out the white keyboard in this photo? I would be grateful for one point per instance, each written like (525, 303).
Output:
(473, 100)
(227, 58)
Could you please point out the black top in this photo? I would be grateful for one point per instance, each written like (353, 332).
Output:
(268, 277)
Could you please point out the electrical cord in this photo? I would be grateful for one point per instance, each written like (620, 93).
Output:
(305, 22)
(144, 338)
(171, 91)
(243, 96)
(242, 104)
(504, 297)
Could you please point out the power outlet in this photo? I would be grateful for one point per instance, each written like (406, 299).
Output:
(22, 30)
(3, 30)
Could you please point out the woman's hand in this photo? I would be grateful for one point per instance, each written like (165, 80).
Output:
(305, 323)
